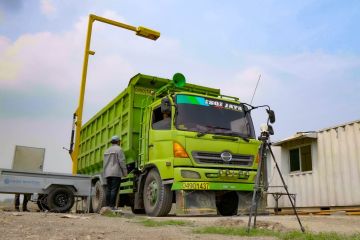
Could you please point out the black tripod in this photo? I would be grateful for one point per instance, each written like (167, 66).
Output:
(258, 187)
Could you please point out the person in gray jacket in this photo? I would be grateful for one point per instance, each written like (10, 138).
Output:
(114, 169)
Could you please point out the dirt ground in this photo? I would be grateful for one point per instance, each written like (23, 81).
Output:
(40, 225)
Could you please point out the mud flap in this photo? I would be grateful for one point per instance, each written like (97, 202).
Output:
(245, 199)
(195, 203)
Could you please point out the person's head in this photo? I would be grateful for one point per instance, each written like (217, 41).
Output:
(166, 115)
(115, 140)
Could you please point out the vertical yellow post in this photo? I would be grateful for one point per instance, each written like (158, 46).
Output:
(79, 110)
(77, 124)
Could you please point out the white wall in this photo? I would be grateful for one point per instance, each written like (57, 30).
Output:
(335, 178)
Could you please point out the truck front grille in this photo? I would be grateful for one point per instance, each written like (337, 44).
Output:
(215, 158)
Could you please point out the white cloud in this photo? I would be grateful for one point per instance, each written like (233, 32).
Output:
(4, 43)
(312, 71)
(42, 58)
(309, 91)
(54, 61)
(307, 66)
(47, 7)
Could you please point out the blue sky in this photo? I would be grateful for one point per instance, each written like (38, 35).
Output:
(307, 52)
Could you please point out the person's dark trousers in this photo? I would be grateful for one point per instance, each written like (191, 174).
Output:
(112, 188)
(17, 201)
(25, 201)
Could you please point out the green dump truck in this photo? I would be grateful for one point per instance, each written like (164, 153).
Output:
(184, 143)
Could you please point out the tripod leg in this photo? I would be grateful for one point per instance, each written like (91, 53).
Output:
(251, 208)
(286, 189)
(256, 189)
(258, 197)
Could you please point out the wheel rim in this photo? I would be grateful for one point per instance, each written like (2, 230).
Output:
(61, 199)
(152, 191)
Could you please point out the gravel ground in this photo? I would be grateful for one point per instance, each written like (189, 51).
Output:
(39, 225)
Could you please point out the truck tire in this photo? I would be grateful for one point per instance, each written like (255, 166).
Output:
(60, 199)
(137, 211)
(157, 196)
(227, 204)
(98, 200)
(42, 202)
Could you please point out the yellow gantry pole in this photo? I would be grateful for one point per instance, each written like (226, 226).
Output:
(77, 121)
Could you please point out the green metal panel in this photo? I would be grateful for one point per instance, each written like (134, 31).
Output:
(122, 117)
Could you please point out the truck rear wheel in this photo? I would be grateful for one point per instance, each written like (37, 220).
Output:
(60, 199)
(227, 204)
(157, 196)
(98, 200)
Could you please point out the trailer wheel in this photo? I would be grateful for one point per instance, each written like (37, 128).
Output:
(42, 203)
(98, 200)
(227, 204)
(61, 199)
(157, 196)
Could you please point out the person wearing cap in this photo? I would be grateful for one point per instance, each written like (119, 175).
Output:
(114, 169)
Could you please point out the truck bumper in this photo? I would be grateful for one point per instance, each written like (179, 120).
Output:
(213, 179)
(203, 186)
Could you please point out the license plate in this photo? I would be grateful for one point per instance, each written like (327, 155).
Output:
(195, 185)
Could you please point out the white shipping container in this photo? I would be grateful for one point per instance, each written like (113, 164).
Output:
(335, 175)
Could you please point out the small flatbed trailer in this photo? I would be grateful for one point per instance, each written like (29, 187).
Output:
(55, 192)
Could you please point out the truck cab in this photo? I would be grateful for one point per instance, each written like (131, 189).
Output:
(196, 143)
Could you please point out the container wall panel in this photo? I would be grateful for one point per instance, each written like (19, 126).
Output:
(335, 174)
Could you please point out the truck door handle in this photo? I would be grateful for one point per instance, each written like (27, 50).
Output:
(151, 145)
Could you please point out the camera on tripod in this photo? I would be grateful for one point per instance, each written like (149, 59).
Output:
(260, 183)
(266, 129)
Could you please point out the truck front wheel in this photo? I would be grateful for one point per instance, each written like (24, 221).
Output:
(157, 196)
(137, 211)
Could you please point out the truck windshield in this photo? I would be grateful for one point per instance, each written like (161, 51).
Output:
(206, 115)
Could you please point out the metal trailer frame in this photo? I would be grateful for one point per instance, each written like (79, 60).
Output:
(43, 183)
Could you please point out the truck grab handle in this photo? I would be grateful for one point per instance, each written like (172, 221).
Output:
(72, 135)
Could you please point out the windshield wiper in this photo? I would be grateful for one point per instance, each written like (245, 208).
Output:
(203, 130)
(231, 133)
(202, 133)
(226, 132)
(235, 134)
(208, 129)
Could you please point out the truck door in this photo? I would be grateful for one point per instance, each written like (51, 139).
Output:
(160, 141)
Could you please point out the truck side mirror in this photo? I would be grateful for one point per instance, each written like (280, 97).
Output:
(271, 114)
(165, 105)
(270, 130)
